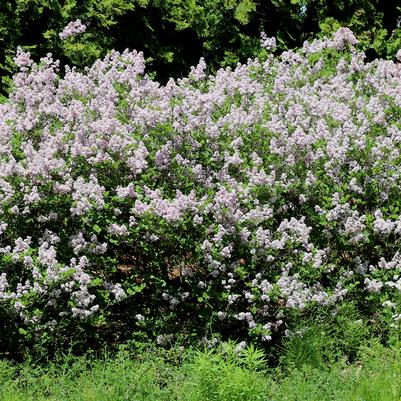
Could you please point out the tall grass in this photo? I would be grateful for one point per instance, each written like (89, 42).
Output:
(207, 375)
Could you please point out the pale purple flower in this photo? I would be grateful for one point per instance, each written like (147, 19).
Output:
(343, 37)
(266, 42)
(72, 29)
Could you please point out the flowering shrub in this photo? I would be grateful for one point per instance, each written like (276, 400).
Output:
(230, 203)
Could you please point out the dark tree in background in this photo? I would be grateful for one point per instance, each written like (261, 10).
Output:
(174, 34)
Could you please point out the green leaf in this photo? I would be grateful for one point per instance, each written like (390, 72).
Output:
(96, 229)
(96, 281)
(136, 289)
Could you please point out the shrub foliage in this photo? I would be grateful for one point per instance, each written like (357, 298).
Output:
(231, 203)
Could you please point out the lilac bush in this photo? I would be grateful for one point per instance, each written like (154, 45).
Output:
(229, 203)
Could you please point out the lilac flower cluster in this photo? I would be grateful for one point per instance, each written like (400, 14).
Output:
(248, 196)
(72, 29)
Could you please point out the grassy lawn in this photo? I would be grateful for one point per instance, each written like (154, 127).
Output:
(202, 376)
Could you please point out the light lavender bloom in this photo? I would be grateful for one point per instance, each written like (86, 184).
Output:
(343, 37)
(267, 43)
(72, 29)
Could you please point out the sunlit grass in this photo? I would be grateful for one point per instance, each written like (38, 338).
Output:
(205, 375)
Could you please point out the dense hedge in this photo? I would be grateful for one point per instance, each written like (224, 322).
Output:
(230, 204)
(175, 34)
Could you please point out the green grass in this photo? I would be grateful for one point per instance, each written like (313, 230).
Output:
(221, 375)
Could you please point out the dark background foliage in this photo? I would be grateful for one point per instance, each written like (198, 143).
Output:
(174, 34)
